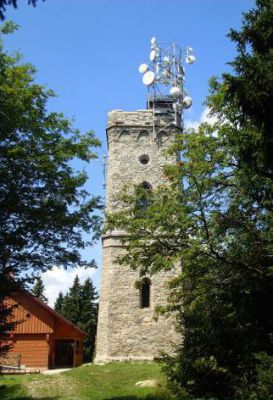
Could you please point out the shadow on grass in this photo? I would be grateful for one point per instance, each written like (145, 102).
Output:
(156, 396)
(8, 392)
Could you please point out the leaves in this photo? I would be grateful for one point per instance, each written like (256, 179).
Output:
(80, 306)
(44, 207)
(214, 219)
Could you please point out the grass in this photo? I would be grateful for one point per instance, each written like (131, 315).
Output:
(114, 381)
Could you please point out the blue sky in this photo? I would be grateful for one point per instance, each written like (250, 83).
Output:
(88, 52)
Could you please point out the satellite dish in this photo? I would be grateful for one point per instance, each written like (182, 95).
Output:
(187, 102)
(152, 55)
(148, 78)
(167, 60)
(190, 59)
(175, 92)
(153, 40)
(157, 51)
(143, 68)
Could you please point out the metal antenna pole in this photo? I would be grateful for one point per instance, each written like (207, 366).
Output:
(166, 72)
(104, 163)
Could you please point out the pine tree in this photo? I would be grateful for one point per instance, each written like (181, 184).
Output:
(39, 289)
(59, 303)
(5, 3)
(72, 302)
(219, 228)
(80, 306)
(88, 317)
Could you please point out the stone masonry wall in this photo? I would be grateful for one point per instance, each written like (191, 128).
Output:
(126, 331)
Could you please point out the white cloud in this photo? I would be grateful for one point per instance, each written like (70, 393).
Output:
(59, 279)
(204, 117)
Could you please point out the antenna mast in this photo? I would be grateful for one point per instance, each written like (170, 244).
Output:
(166, 73)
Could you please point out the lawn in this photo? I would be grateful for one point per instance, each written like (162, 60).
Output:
(114, 381)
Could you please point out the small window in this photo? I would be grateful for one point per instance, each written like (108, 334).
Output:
(144, 159)
(145, 293)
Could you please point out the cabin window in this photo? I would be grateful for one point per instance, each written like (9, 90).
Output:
(77, 347)
(145, 293)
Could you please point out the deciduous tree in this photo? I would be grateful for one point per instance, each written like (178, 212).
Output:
(44, 207)
(215, 219)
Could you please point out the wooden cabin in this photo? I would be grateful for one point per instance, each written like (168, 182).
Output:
(43, 339)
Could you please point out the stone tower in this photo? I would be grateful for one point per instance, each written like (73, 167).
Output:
(127, 329)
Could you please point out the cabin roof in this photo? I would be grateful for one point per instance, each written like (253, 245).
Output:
(23, 294)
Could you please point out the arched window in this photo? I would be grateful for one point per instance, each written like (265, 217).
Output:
(162, 137)
(145, 293)
(143, 135)
(124, 136)
(143, 196)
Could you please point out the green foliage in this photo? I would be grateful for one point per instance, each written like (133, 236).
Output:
(80, 306)
(4, 3)
(215, 220)
(59, 303)
(72, 302)
(38, 289)
(44, 207)
(264, 377)
(247, 96)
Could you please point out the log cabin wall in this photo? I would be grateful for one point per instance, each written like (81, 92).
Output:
(34, 350)
(39, 327)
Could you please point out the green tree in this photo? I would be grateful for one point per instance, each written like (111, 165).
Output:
(39, 289)
(72, 302)
(80, 306)
(5, 3)
(59, 303)
(218, 225)
(44, 207)
(89, 317)
(249, 90)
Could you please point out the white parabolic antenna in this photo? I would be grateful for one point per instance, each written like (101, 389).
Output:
(190, 59)
(148, 78)
(164, 76)
(187, 102)
(175, 91)
(143, 68)
(152, 55)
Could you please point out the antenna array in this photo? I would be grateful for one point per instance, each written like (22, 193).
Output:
(166, 71)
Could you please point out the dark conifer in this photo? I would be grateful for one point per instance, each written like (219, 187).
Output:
(59, 303)
(72, 302)
(39, 289)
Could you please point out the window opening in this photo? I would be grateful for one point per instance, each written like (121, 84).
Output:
(145, 293)
(144, 159)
